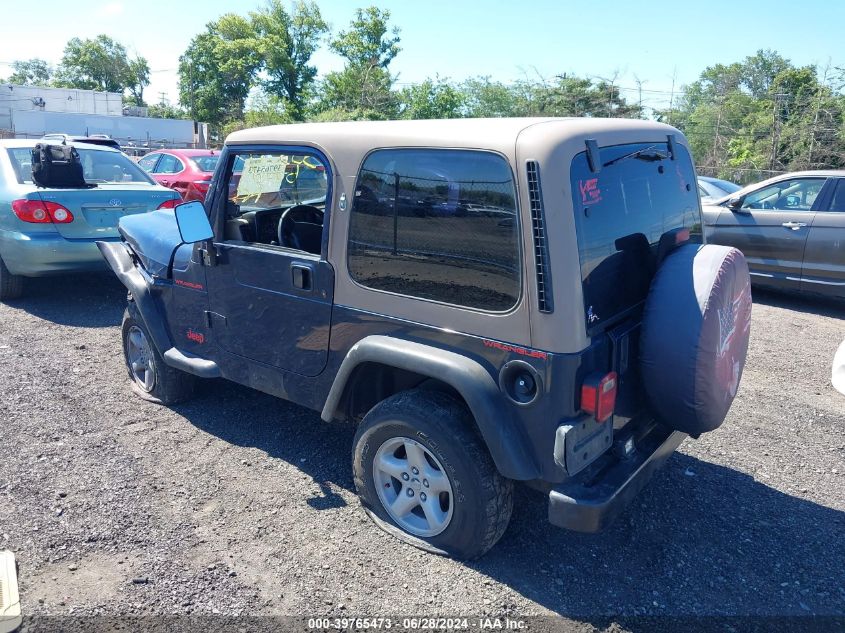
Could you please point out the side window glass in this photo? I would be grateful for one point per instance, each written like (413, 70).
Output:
(276, 199)
(838, 201)
(148, 162)
(168, 165)
(438, 225)
(789, 195)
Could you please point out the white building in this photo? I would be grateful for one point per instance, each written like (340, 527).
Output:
(32, 111)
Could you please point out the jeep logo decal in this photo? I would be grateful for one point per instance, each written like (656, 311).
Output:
(197, 337)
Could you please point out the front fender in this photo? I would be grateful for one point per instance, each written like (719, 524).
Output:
(500, 431)
(118, 257)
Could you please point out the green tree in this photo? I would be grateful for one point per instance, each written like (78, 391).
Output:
(28, 72)
(166, 110)
(431, 99)
(369, 41)
(102, 64)
(287, 41)
(485, 98)
(574, 96)
(760, 70)
(762, 115)
(218, 69)
(363, 89)
(139, 76)
(363, 92)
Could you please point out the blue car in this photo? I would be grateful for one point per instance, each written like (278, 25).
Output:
(53, 231)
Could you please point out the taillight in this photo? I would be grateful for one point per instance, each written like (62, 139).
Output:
(169, 204)
(41, 212)
(598, 395)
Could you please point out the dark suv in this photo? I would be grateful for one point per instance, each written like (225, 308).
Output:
(490, 301)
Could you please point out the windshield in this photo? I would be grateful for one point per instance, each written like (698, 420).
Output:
(206, 163)
(621, 212)
(98, 166)
(261, 181)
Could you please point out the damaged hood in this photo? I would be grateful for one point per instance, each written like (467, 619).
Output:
(153, 237)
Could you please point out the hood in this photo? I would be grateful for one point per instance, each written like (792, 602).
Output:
(153, 237)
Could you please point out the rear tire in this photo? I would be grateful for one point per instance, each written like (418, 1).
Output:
(424, 476)
(152, 379)
(11, 286)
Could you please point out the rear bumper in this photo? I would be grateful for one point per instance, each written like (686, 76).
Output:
(594, 498)
(36, 254)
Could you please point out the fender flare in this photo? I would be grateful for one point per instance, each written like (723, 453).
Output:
(119, 260)
(500, 431)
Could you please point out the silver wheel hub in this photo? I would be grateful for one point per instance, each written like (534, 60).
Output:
(139, 356)
(413, 487)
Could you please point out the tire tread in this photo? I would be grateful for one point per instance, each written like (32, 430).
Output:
(454, 422)
(172, 385)
(11, 286)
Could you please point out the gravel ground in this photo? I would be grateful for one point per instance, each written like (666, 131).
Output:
(238, 503)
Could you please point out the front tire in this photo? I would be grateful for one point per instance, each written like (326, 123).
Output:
(152, 379)
(425, 477)
(11, 286)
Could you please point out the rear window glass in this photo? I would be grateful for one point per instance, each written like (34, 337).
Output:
(206, 163)
(621, 212)
(438, 225)
(97, 166)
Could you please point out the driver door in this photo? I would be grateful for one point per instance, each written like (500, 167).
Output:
(770, 227)
(271, 294)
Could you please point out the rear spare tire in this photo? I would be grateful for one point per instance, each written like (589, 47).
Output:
(695, 331)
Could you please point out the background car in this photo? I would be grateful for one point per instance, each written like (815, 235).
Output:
(713, 189)
(187, 171)
(48, 231)
(791, 229)
(93, 139)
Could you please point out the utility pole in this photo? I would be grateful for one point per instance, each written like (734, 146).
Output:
(717, 141)
(672, 95)
(639, 83)
(816, 116)
(775, 126)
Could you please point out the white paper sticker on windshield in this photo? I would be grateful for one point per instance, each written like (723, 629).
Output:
(262, 174)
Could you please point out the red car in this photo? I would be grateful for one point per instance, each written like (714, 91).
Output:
(187, 171)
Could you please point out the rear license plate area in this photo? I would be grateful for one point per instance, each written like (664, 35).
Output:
(580, 443)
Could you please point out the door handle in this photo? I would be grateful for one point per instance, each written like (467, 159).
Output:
(794, 225)
(301, 276)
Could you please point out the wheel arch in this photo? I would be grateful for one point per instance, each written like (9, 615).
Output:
(378, 366)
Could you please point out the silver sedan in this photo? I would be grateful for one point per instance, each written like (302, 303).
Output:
(791, 229)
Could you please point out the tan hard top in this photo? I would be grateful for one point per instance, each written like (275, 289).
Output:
(496, 134)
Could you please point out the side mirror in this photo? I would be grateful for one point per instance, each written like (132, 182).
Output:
(735, 203)
(193, 222)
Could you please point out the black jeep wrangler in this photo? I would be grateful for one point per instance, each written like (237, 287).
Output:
(490, 301)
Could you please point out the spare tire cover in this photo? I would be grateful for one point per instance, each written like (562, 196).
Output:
(695, 331)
